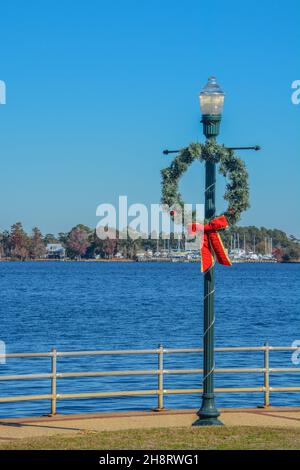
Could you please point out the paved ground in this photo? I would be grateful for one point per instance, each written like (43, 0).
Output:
(11, 429)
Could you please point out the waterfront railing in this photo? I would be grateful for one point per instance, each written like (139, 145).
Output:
(161, 372)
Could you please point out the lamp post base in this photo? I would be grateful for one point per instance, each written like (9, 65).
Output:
(208, 414)
(208, 422)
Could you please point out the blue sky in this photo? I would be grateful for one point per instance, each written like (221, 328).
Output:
(96, 90)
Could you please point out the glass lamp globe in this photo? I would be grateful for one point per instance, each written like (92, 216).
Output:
(212, 98)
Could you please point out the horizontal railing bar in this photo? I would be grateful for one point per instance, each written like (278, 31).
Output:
(11, 355)
(217, 371)
(144, 392)
(155, 392)
(26, 377)
(284, 389)
(107, 374)
(83, 353)
(25, 398)
(146, 372)
(108, 353)
(62, 375)
(63, 396)
(146, 351)
(229, 349)
(233, 349)
(217, 390)
(239, 370)
(240, 389)
(152, 372)
(129, 393)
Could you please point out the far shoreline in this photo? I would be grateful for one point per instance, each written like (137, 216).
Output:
(126, 260)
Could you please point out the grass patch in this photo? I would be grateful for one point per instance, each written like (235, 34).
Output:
(221, 438)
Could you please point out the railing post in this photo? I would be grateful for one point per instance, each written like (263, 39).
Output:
(160, 403)
(266, 376)
(53, 381)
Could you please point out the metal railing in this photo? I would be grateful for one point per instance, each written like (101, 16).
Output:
(160, 372)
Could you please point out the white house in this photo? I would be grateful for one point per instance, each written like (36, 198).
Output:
(55, 251)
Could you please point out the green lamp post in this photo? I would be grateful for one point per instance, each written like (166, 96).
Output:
(211, 103)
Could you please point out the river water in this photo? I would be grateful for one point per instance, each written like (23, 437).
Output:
(94, 305)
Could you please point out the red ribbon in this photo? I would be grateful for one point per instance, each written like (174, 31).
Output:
(212, 242)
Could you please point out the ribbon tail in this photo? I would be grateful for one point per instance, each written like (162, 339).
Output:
(219, 249)
(207, 259)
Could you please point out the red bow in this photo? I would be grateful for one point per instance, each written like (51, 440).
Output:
(212, 242)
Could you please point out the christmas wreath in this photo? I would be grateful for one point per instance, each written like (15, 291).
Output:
(230, 166)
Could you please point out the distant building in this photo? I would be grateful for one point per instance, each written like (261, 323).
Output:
(55, 251)
(140, 256)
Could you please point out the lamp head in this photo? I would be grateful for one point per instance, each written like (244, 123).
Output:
(212, 98)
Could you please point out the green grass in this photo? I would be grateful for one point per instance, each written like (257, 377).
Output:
(168, 438)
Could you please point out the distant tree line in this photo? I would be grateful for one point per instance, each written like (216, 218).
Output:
(83, 242)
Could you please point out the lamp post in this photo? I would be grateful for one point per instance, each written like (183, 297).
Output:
(211, 103)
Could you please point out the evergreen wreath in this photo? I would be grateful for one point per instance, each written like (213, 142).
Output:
(230, 166)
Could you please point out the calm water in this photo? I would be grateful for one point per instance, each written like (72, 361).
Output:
(81, 306)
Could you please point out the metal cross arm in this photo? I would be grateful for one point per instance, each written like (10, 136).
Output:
(255, 147)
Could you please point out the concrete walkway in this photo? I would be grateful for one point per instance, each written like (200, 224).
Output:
(12, 429)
